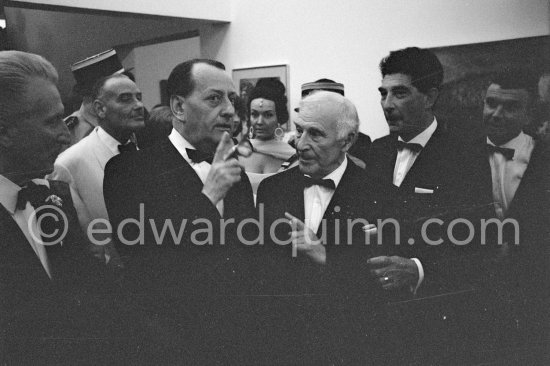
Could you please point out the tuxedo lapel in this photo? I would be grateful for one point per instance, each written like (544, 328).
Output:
(388, 158)
(424, 165)
(534, 183)
(176, 173)
(293, 195)
(15, 248)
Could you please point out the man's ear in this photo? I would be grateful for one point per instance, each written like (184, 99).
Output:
(348, 141)
(177, 107)
(99, 108)
(431, 97)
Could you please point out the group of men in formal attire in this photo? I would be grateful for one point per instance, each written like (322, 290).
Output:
(180, 245)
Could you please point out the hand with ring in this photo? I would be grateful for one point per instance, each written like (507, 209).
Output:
(394, 272)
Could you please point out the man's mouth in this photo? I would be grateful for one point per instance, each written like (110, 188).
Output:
(224, 127)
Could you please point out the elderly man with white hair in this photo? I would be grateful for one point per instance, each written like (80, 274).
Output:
(331, 204)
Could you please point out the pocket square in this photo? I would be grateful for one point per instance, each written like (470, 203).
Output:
(423, 190)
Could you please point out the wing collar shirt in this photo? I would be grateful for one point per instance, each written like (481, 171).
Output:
(25, 218)
(202, 169)
(507, 174)
(317, 198)
(406, 157)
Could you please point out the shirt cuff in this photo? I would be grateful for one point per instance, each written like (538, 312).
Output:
(420, 274)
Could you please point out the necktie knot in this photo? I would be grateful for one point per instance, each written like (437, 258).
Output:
(327, 183)
(197, 156)
(33, 193)
(130, 146)
(508, 153)
(409, 145)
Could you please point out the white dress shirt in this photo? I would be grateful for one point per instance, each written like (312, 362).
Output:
(406, 157)
(507, 174)
(25, 218)
(317, 198)
(405, 160)
(202, 169)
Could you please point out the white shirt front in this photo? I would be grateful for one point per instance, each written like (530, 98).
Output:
(202, 169)
(25, 218)
(403, 163)
(317, 198)
(406, 157)
(507, 174)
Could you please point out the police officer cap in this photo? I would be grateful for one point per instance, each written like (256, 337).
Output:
(86, 72)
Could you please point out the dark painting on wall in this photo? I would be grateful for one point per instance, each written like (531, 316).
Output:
(468, 70)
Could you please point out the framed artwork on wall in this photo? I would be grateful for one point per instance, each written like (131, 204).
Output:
(245, 79)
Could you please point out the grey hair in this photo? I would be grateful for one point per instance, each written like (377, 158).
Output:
(16, 70)
(348, 119)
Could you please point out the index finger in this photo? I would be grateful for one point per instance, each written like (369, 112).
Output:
(299, 224)
(381, 261)
(223, 148)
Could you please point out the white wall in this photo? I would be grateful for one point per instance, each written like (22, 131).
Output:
(155, 62)
(345, 40)
(218, 10)
(64, 37)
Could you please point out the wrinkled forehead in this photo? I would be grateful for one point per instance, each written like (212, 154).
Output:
(119, 85)
(496, 92)
(319, 109)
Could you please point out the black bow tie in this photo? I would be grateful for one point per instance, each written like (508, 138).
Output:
(508, 153)
(33, 193)
(197, 156)
(328, 183)
(130, 146)
(411, 146)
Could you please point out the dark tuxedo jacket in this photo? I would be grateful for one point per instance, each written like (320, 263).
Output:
(524, 264)
(356, 197)
(35, 310)
(169, 191)
(441, 166)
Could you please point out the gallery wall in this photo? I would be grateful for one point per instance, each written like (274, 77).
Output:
(345, 40)
(341, 40)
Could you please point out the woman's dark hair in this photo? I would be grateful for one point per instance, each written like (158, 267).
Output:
(271, 89)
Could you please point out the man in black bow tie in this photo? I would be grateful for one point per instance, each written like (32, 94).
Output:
(317, 198)
(418, 156)
(42, 259)
(188, 181)
(184, 197)
(120, 113)
(513, 175)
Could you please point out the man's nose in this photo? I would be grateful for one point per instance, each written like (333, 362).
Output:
(387, 103)
(63, 136)
(301, 144)
(228, 109)
(499, 111)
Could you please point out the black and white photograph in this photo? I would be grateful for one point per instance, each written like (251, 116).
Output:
(254, 182)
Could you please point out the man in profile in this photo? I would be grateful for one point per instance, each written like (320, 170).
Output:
(43, 264)
(419, 157)
(120, 113)
(86, 73)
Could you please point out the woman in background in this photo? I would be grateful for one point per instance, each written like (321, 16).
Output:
(267, 105)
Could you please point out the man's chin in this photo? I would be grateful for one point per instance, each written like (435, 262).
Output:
(394, 128)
